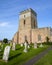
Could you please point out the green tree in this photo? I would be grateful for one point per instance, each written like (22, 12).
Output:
(5, 40)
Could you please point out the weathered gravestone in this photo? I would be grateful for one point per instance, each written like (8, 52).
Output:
(41, 45)
(21, 45)
(25, 50)
(28, 46)
(35, 45)
(6, 53)
(14, 46)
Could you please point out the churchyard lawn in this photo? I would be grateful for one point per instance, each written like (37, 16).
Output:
(18, 57)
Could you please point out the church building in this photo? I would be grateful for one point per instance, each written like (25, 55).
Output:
(28, 29)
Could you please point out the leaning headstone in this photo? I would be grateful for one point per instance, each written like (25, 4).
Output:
(14, 46)
(35, 45)
(21, 45)
(6, 53)
(41, 45)
(25, 50)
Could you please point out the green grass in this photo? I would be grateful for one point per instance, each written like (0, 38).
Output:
(18, 57)
(46, 60)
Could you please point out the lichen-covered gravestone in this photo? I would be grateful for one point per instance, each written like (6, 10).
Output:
(26, 45)
(35, 45)
(14, 46)
(21, 45)
(6, 53)
(41, 45)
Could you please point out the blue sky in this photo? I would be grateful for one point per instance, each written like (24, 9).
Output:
(9, 14)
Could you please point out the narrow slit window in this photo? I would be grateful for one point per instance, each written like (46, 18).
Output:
(24, 22)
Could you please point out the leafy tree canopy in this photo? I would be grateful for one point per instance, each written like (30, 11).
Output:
(5, 40)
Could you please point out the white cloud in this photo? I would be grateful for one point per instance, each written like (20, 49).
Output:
(4, 24)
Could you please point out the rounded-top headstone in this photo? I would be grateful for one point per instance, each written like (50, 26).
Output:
(13, 46)
(6, 53)
(25, 50)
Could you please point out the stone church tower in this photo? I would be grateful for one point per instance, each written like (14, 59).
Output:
(28, 28)
(27, 22)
